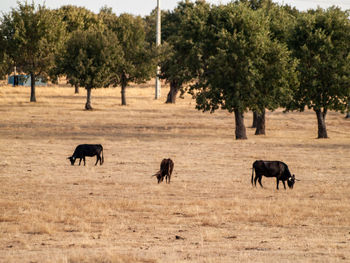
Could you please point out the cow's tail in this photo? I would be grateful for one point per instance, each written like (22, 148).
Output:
(252, 173)
(103, 159)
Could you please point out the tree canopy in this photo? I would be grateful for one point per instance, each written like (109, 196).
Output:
(4, 59)
(90, 58)
(32, 36)
(243, 67)
(281, 20)
(138, 59)
(320, 41)
(76, 18)
(182, 30)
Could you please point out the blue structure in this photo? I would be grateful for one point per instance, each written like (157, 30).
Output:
(24, 80)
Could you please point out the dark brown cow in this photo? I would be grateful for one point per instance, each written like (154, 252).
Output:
(272, 169)
(90, 150)
(166, 169)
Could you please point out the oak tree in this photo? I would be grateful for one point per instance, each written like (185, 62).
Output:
(183, 29)
(90, 58)
(76, 18)
(137, 64)
(320, 41)
(280, 20)
(243, 67)
(32, 36)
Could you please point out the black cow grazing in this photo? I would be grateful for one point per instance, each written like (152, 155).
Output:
(166, 169)
(90, 150)
(272, 169)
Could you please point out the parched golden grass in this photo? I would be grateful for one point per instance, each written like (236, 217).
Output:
(51, 211)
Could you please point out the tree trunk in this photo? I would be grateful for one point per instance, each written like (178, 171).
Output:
(321, 120)
(260, 123)
(254, 119)
(240, 128)
(123, 94)
(32, 87)
(123, 84)
(88, 99)
(76, 89)
(348, 111)
(174, 89)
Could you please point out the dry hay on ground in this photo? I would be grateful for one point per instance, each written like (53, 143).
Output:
(51, 211)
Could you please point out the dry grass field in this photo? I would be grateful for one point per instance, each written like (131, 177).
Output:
(51, 211)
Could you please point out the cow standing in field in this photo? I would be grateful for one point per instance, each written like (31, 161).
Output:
(272, 169)
(166, 169)
(90, 150)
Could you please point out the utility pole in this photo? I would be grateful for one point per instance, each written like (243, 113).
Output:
(15, 78)
(158, 41)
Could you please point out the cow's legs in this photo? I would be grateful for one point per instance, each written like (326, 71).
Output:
(97, 158)
(255, 179)
(84, 160)
(278, 181)
(284, 184)
(260, 177)
(79, 161)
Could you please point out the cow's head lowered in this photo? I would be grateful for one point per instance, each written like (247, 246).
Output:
(291, 181)
(72, 160)
(159, 176)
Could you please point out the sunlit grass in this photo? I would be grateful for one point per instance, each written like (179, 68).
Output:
(51, 211)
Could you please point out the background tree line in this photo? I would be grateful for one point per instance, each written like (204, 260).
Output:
(245, 55)
(91, 50)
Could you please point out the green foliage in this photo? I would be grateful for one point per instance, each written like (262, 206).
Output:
(150, 26)
(257, 4)
(281, 21)
(91, 57)
(32, 38)
(5, 63)
(321, 42)
(232, 43)
(183, 32)
(137, 64)
(75, 19)
(244, 68)
(78, 18)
